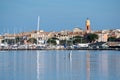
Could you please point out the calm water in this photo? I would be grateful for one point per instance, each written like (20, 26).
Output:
(60, 65)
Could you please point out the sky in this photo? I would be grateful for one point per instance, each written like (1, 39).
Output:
(56, 15)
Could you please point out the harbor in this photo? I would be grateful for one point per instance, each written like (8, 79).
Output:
(87, 46)
(59, 40)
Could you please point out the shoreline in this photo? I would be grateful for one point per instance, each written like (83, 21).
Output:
(116, 49)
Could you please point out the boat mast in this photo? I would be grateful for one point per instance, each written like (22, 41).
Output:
(14, 37)
(38, 25)
(38, 55)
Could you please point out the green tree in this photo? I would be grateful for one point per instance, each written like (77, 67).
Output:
(52, 40)
(111, 39)
(91, 37)
(78, 39)
(63, 42)
(8, 41)
(3, 41)
(74, 40)
(18, 39)
(69, 42)
(32, 40)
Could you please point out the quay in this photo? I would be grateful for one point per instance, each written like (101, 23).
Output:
(118, 49)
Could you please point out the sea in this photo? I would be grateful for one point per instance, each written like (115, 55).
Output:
(60, 65)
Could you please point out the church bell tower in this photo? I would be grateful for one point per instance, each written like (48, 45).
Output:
(88, 30)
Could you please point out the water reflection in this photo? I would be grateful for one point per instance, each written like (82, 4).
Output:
(38, 65)
(60, 65)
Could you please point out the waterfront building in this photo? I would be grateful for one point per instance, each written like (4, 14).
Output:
(42, 36)
(102, 36)
(51, 34)
(63, 35)
(116, 32)
(9, 36)
(78, 32)
(113, 33)
(118, 35)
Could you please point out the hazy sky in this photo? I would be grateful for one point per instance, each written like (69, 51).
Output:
(56, 15)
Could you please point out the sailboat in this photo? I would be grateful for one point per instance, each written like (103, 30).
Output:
(15, 46)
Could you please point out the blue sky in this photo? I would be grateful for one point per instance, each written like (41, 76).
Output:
(56, 15)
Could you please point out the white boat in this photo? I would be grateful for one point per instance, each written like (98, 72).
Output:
(83, 45)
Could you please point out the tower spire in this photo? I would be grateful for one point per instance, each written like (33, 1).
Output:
(88, 26)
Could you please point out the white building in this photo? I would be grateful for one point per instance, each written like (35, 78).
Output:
(102, 37)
